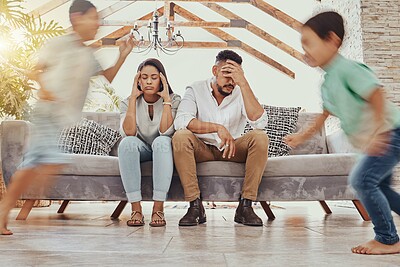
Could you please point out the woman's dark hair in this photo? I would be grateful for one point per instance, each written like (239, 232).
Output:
(326, 22)
(159, 66)
(80, 6)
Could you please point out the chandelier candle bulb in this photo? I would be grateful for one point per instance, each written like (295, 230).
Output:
(172, 45)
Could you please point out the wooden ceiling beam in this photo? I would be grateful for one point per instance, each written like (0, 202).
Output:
(108, 11)
(126, 29)
(260, 4)
(233, 42)
(112, 43)
(278, 14)
(219, 1)
(141, 23)
(256, 30)
(46, 8)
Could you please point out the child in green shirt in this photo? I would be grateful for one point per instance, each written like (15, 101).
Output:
(352, 93)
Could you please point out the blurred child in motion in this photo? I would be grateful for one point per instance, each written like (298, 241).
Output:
(352, 93)
(64, 69)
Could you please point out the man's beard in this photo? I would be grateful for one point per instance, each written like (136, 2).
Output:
(223, 92)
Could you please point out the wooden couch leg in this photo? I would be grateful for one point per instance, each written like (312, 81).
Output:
(325, 207)
(63, 206)
(267, 210)
(118, 210)
(26, 209)
(363, 212)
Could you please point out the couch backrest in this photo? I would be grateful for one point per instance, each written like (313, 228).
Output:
(109, 119)
(316, 144)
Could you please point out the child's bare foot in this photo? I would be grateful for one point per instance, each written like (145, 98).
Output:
(3, 227)
(5, 231)
(374, 247)
(3, 223)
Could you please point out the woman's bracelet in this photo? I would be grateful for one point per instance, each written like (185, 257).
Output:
(167, 103)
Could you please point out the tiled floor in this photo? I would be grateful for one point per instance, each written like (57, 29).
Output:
(85, 236)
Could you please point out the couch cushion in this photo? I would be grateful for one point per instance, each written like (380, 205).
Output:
(339, 143)
(109, 119)
(88, 137)
(92, 165)
(293, 166)
(290, 166)
(282, 121)
(317, 143)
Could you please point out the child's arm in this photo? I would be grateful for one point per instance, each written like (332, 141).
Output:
(296, 139)
(377, 102)
(35, 76)
(379, 142)
(125, 48)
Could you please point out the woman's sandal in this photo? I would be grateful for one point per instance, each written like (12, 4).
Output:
(135, 222)
(160, 221)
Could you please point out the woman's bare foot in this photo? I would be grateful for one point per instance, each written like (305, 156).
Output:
(374, 247)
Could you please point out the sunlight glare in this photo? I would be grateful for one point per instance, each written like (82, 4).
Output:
(19, 35)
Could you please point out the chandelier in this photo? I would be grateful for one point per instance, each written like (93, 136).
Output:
(172, 45)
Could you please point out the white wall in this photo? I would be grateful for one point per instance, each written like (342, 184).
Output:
(187, 66)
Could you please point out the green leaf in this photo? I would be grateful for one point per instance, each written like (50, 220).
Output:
(39, 31)
(19, 58)
(11, 11)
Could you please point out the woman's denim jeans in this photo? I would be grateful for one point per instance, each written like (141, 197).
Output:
(371, 178)
(131, 152)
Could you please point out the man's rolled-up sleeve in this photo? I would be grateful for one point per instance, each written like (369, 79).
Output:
(187, 110)
(261, 122)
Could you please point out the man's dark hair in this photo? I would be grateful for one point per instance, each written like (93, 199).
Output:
(80, 6)
(228, 54)
(326, 22)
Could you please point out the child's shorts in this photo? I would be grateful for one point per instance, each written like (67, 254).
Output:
(43, 144)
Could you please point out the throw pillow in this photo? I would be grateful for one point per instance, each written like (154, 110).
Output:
(88, 137)
(282, 121)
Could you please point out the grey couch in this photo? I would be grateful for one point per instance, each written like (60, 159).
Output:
(310, 173)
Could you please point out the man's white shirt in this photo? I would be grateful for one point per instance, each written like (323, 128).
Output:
(199, 102)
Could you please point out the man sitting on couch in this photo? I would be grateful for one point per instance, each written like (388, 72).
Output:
(210, 120)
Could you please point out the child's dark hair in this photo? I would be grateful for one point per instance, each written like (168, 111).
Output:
(224, 55)
(80, 6)
(326, 22)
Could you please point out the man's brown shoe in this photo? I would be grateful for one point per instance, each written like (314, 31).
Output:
(195, 215)
(246, 215)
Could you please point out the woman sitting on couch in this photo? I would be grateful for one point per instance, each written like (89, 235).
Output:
(147, 117)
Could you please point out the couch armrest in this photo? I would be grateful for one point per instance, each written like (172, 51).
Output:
(338, 142)
(14, 136)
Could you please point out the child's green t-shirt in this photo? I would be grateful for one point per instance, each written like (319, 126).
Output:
(347, 87)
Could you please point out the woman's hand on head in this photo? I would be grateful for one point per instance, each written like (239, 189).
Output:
(165, 92)
(135, 90)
